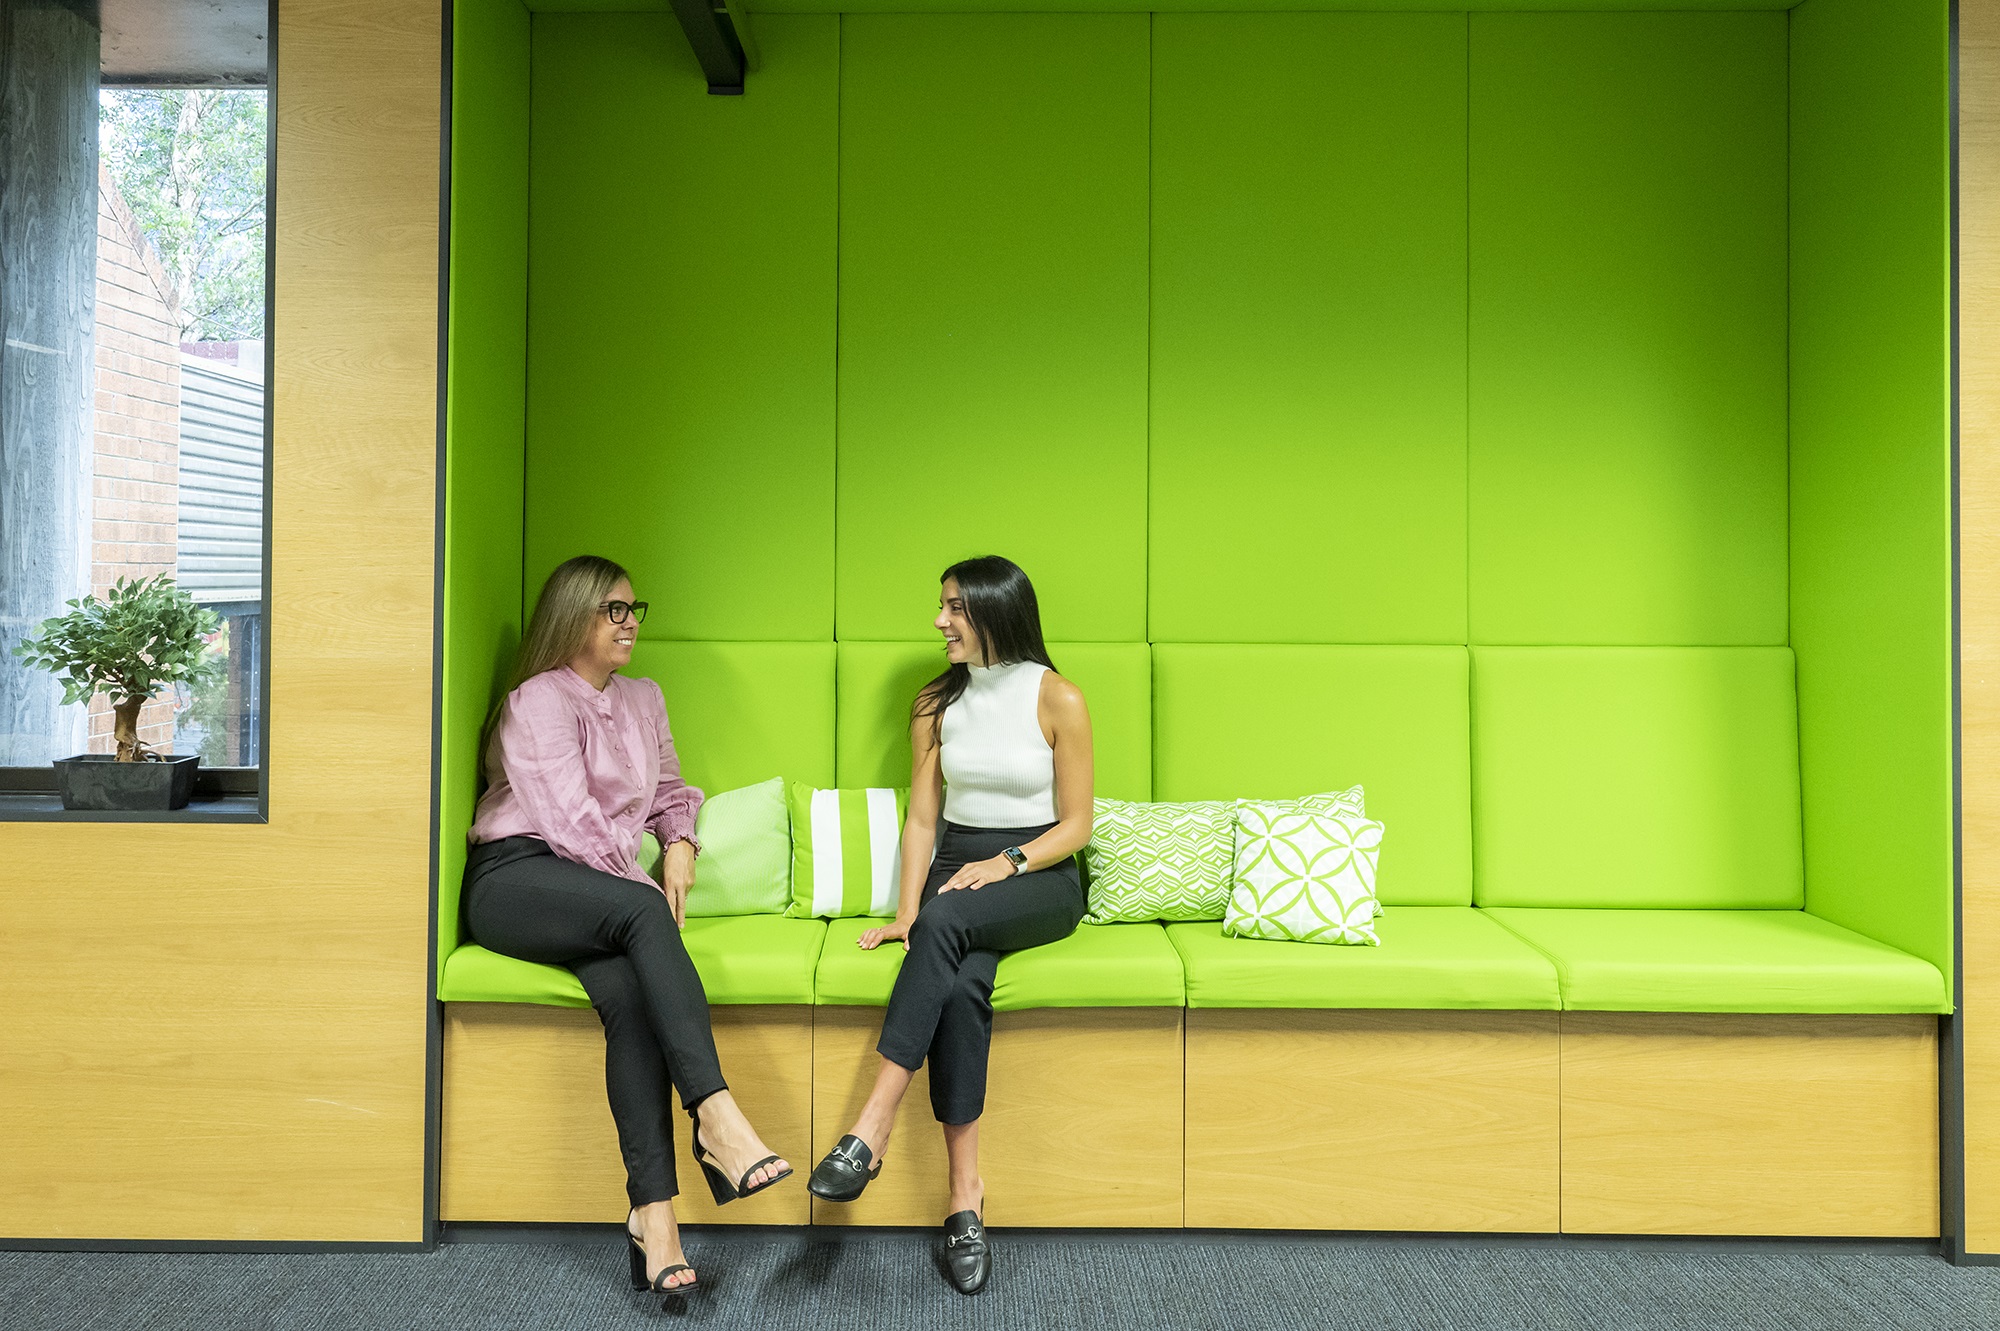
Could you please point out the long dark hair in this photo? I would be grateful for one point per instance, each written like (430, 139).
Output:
(1001, 607)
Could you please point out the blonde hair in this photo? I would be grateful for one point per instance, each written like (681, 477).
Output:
(565, 613)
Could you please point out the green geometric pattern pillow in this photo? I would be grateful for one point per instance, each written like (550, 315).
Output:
(1306, 877)
(844, 850)
(1159, 861)
(1352, 801)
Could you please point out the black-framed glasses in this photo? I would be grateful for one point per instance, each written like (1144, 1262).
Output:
(618, 610)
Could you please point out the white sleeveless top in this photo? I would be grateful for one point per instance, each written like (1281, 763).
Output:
(999, 770)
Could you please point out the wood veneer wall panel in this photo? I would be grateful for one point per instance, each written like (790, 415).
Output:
(1979, 607)
(1725, 1124)
(528, 1134)
(218, 1031)
(1082, 1124)
(1372, 1120)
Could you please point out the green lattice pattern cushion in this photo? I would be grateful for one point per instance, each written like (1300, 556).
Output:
(1158, 861)
(845, 850)
(1353, 801)
(1303, 876)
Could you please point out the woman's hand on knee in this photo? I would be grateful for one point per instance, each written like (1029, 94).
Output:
(873, 938)
(676, 877)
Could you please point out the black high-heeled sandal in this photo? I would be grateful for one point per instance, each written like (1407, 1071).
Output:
(637, 1251)
(846, 1171)
(719, 1185)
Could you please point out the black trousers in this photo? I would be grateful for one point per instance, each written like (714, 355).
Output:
(618, 935)
(942, 1005)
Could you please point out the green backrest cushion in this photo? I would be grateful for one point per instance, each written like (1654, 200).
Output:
(744, 712)
(682, 316)
(1636, 777)
(1308, 327)
(879, 680)
(1277, 722)
(1628, 350)
(994, 235)
(745, 865)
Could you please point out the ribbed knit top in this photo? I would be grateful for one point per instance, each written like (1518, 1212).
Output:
(999, 770)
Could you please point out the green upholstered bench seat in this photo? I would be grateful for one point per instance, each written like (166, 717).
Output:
(1430, 957)
(742, 959)
(1100, 965)
(1723, 961)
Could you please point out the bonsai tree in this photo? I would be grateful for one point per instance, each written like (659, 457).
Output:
(145, 636)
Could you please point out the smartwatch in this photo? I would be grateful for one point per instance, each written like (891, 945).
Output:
(1016, 857)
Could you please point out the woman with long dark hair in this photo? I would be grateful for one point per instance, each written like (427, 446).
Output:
(579, 764)
(1000, 744)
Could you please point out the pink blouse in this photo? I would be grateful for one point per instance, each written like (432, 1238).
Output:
(586, 771)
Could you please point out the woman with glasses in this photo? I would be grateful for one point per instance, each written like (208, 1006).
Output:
(579, 763)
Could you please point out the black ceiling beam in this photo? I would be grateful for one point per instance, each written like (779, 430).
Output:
(715, 44)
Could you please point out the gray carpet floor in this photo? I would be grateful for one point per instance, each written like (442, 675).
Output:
(775, 1280)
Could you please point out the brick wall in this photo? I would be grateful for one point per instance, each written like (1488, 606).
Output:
(136, 485)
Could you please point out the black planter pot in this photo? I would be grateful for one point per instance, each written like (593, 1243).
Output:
(98, 781)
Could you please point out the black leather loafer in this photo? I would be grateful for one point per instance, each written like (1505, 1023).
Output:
(845, 1173)
(968, 1258)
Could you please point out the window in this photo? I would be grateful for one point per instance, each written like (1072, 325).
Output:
(134, 189)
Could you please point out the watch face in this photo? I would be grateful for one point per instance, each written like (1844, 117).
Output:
(1016, 856)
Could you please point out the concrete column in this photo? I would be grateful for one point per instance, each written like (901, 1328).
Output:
(48, 276)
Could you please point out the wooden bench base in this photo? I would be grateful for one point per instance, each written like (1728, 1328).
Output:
(1373, 1120)
(1717, 1124)
(1082, 1123)
(528, 1134)
(1525, 1122)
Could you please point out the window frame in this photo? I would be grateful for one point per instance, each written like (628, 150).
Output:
(222, 794)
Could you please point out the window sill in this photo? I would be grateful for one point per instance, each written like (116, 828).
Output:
(39, 806)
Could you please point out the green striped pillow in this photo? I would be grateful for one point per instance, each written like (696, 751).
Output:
(844, 850)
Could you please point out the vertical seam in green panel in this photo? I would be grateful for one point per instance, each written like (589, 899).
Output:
(527, 333)
(1791, 562)
(1471, 722)
(1465, 626)
(841, 86)
(1147, 572)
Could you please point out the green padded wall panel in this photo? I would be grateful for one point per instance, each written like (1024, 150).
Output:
(1871, 465)
(879, 680)
(1308, 388)
(993, 314)
(1628, 268)
(744, 712)
(485, 399)
(1252, 7)
(1636, 777)
(1270, 722)
(681, 389)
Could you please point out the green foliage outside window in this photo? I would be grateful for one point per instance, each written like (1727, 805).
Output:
(190, 164)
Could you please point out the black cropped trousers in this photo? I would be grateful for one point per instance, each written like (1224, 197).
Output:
(619, 937)
(942, 1006)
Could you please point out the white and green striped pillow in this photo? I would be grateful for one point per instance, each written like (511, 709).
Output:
(844, 850)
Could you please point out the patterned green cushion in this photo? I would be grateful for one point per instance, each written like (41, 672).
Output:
(1304, 876)
(1353, 801)
(1172, 861)
(1158, 861)
(844, 850)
